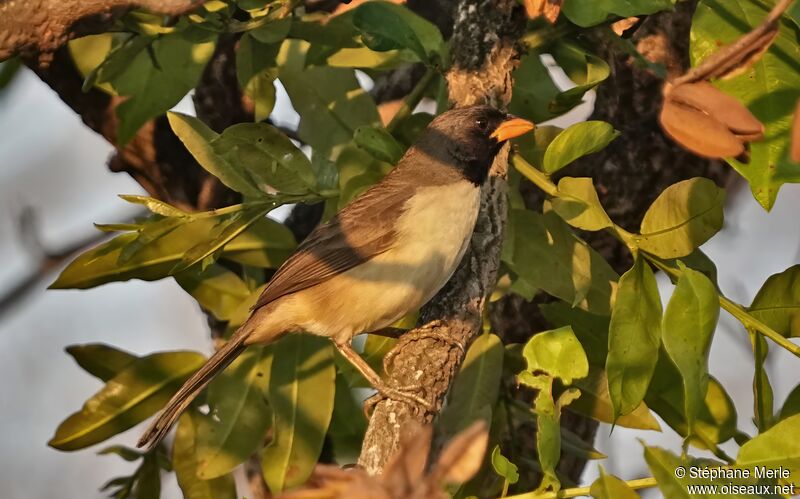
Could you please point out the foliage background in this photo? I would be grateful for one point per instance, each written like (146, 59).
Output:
(52, 163)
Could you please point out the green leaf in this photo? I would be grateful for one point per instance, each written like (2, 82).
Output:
(222, 234)
(586, 70)
(100, 360)
(682, 218)
(533, 145)
(256, 70)
(558, 353)
(216, 289)
(763, 399)
(88, 54)
(387, 26)
(595, 402)
(148, 479)
(475, 389)
(125, 453)
(579, 205)
(301, 394)
(716, 421)
(687, 330)
(769, 88)
(777, 303)
(379, 143)
(366, 58)
(503, 467)
(156, 79)
(544, 254)
(576, 141)
(266, 244)
(634, 337)
(328, 100)
(184, 460)
(156, 206)
(134, 394)
(197, 137)
(239, 414)
(611, 487)
(348, 424)
(587, 13)
(663, 464)
(792, 404)
(273, 31)
(533, 90)
(778, 446)
(590, 329)
(267, 156)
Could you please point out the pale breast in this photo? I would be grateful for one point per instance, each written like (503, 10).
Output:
(432, 236)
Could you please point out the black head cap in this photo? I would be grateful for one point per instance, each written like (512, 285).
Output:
(462, 137)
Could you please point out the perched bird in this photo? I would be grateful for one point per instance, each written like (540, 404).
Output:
(381, 257)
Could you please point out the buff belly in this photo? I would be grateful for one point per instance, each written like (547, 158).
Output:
(433, 234)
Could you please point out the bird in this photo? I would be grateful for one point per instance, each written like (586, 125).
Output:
(381, 257)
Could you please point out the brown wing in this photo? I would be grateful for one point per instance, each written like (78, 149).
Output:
(360, 231)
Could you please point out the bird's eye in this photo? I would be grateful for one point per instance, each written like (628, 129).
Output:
(481, 123)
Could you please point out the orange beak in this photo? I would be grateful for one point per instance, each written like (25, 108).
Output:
(510, 128)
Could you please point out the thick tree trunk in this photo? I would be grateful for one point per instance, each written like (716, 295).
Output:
(484, 55)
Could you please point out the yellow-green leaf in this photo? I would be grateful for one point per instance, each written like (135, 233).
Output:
(611, 487)
(134, 394)
(100, 360)
(777, 303)
(558, 353)
(184, 462)
(578, 204)
(777, 447)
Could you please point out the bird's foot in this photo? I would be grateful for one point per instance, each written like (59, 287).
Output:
(426, 332)
(403, 394)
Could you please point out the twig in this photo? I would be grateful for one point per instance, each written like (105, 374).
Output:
(411, 101)
(639, 483)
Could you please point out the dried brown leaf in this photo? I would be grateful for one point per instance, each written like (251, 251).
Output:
(698, 132)
(794, 151)
(549, 9)
(462, 456)
(720, 106)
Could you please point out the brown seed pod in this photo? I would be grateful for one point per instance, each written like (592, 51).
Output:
(720, 106)
(698, 132)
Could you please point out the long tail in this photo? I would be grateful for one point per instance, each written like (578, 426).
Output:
(190, 389)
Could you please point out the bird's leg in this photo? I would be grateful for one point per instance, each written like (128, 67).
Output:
(428, 331)
(372, 377)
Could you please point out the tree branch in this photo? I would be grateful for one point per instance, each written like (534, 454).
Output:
(39, 28)
(481, 72)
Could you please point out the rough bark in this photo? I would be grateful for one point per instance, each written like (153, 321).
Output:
(38, 28)
(484, 55)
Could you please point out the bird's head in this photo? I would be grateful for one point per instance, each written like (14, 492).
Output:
(470, 137)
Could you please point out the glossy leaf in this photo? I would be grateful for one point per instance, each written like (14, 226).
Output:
(256, 71)
(770, 87)
(197, 137)
(239, 415)
(590, 12)
(475, 389)
(595, 402)
(328, 99)
(216, 289)
(134, 394)
(682, 218)
(156, 79)
(558, 353)
(576, 141)
(634, 337)
(184, 461)
(578, 204)
(777, 303)
(388, 26)
(100, 360)
(301, 395)
(586, 70)
(611, 487)
(542, 251)
(792, 404)
(267, 157)
(688, 329)
(533, 90)
(775, 447)
(379, 143)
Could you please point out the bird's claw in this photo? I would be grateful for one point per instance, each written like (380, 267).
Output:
(399, 394)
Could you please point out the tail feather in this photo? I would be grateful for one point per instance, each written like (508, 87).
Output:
(190, 389)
